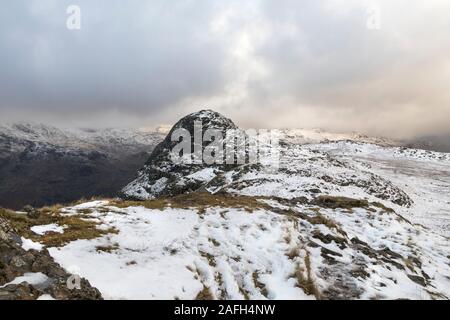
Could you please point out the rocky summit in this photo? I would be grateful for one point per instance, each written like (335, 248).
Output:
(163, 177)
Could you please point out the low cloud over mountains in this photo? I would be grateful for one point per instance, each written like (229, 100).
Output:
(295, 64)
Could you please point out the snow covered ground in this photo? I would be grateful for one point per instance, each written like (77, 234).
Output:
(274, 252)
(173, 254)
(340, 220)
(416, 183)
(423, 175)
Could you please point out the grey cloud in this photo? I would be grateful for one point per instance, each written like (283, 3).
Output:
(133, 56)
(265, 63)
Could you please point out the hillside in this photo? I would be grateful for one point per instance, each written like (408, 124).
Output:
(349, 217)
(43, 165)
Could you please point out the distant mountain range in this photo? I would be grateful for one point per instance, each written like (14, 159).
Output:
(43, 165)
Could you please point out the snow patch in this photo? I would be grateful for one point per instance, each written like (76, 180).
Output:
(33, 278)
(43, 229)
(46, 297)
(205, 175)
(28, 244)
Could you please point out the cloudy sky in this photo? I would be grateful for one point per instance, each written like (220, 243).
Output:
(333, 64)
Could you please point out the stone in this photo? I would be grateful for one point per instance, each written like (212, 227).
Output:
(15, 262)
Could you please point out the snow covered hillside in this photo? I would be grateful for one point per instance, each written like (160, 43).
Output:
(42, 165)
(237, 247)
(342, 218)
(42, 139)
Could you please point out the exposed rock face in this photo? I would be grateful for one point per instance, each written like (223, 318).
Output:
(16, 262)
(163, 177)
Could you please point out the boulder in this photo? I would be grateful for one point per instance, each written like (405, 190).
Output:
(16, 262)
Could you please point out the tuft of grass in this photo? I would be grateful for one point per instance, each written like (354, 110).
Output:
(293, 253)
(198, 200)
(85, 211)
(262, 288)
(51, 210)
(321, 219)
(244, 293)
(205, 294)
(383, 207)
(340, 202)
(305, 280)
(209, 257)
(109, 248)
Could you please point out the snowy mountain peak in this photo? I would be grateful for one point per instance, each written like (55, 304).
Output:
(161, 176)
(209, 119)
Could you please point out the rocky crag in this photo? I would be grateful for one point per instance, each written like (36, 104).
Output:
(29, 274)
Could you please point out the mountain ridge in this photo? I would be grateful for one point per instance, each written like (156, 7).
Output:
(339, 219)
(43, 165)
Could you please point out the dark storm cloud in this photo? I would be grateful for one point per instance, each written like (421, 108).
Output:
(265, 63)
(134, 56)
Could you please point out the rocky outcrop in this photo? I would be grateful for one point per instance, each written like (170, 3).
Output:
(163, 177)
(307, 170)
(16, 262)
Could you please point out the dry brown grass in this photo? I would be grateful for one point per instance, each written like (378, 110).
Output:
(261, 286)
(76, 227)
(109, 248)
(205, 294)
(211, 259)
(383, 207)
(321, 219)
(85, 211)
(84, 200)
(79, 228)
(198, 200)
(340, 202)
(304, 278)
